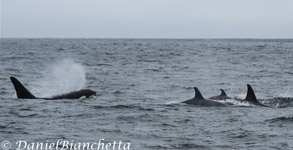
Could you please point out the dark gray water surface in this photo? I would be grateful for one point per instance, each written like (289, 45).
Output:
(140, 84)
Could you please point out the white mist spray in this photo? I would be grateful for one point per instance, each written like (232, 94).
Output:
(62, 77)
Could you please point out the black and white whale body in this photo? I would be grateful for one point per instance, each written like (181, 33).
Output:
(251, 98)
(23, 93)
(199, 100)
(222, 96)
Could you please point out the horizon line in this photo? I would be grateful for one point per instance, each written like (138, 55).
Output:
(171, 38)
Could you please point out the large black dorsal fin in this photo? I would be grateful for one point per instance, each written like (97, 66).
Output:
(21, 91)
(197, 94)
(250, 96)
(223, 93)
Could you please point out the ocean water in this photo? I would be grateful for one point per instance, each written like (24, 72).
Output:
(140, 84)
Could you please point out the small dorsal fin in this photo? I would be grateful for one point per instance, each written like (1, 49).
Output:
(223, 93)
(250, 96)
(197, 94)
(21, 91)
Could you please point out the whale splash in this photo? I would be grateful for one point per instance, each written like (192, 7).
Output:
(61, 77)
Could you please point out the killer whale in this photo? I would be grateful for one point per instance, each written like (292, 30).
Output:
(251, 98)
(23, 93)
(222, 96)
(199, 100)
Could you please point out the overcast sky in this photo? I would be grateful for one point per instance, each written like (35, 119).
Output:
(147, 18)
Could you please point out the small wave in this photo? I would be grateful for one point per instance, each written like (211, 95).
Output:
(154, 70)
(102, 64)
(12, 70)
(236, 102)
(16, 57)
(3, 127)
(111, 130)
(25, 109)
(3, 78)
(149, 60)
(280, 102)
(175, 54)
(117, 92)
(3, 92)
(123, 107)
(289, 72)
(158, 147)
(280, 119)
(29, 116)
(172, 103)
(189, 146)
(78, 116)
(168, 125)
